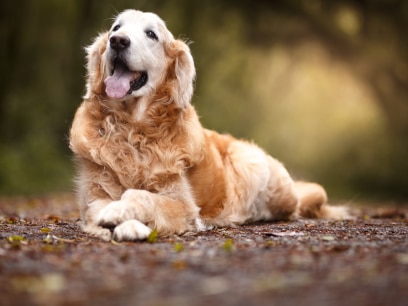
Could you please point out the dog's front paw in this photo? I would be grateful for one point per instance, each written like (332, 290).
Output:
(114, 214)
(97, 231)
(131, 230)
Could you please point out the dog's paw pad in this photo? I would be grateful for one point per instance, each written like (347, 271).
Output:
(131, 230)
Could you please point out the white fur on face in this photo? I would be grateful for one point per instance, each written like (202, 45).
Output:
(144, 53)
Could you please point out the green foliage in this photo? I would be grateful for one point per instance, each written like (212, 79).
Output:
(319, 84)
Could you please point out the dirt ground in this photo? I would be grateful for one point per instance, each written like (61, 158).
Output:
(45, 259)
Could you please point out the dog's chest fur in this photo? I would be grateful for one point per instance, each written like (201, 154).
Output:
(145, 154)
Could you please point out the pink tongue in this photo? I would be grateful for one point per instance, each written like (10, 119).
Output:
(118, 84)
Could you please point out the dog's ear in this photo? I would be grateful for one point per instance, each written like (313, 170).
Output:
(183, 72)
(96, 66)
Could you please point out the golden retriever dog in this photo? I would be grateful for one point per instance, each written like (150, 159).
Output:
(144, 160)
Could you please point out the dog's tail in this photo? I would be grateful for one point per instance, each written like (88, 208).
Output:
(313, 203)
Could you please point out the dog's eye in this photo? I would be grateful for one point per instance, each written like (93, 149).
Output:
(116, 27)
(151, 34)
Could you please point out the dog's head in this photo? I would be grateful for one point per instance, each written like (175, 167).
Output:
(137, 57)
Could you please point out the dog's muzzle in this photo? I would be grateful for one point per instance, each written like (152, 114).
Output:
(122, 80)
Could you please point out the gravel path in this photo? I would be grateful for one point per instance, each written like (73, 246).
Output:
(46, 260)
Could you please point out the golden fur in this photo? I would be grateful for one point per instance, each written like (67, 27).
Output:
(145, 162)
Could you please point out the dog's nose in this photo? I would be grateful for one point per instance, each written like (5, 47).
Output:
(119, 42)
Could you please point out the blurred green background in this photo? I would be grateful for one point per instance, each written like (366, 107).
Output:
(321, 85)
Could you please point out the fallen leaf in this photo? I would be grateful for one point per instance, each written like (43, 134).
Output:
(270, 243)
(16, 241)
(284, 234)
(179, 265)
(15, 238)
(52, 248)
(63, 239)
(114, 242)
(48, 239)
(153, 236)
(53, 219)
(12, 220)
(178, 247)
(228, 245)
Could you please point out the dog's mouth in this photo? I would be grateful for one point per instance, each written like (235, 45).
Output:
(123, 81)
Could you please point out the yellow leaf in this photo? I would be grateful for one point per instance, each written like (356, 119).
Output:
(178, 247)
(153, 236)
(228, 245)
(15, 238)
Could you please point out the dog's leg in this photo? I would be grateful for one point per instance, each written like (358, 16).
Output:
(89, 224)
(139, 211)
(287, 199)
(281, 197)
(128, 230)
(313, 203)
(291, 200)
(262, 188)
